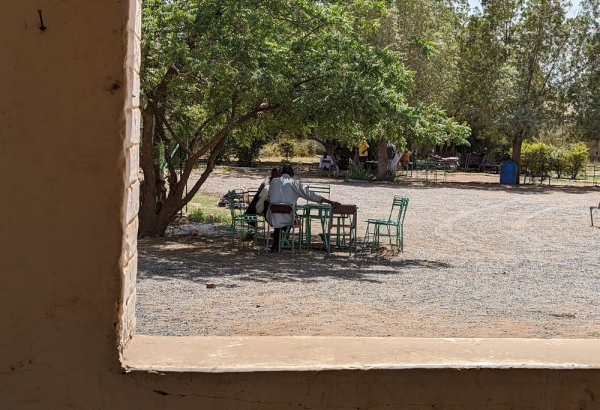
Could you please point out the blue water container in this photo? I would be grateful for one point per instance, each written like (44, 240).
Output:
(508, 173)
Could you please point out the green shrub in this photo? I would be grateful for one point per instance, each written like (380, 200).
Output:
(557, 161)
(576, 158)
(535, 157)
(501, 153)
(305, 148)
(358, 172)
(200, 216)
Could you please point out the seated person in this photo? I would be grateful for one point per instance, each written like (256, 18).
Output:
(259, 204)
(325, 162)
(485, 162)
(344, 163)
(285, 190)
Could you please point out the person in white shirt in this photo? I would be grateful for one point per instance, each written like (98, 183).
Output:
(326, 161)
(285, 190)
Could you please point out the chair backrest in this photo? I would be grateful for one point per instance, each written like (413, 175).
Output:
(344, 210)
(237, 203)
(399, 205)
(320, 189)
(251, 194)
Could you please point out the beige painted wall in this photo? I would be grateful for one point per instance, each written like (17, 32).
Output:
(66, 199)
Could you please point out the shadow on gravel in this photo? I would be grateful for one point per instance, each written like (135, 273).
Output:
(198, 258)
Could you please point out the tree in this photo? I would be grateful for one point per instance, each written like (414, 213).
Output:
(520, 47)
(582, 73)
(213, 70)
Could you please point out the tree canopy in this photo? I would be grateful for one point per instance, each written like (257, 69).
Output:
(241, 68)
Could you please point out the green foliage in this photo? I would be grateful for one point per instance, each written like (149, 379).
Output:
(200, 216)
(358, 172)
(287, 148)
(247, 154)
(557, 161)
(542, 158)
(535, 157)
(389, 176)
(501, 153)
(576, 158)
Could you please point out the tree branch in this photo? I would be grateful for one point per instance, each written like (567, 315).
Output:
(175, 137)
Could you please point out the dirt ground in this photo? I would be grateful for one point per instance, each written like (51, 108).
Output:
(480, 260)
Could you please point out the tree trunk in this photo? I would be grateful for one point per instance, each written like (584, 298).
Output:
(517, 143)
(147, 214)
(382, 158)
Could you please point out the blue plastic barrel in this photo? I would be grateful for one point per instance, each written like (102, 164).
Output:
(508, 173)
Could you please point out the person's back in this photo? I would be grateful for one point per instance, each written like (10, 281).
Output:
(285, 190)
(344, 164)
(259, 203)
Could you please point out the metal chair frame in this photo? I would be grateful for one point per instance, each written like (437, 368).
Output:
(284, 236)
(319, 189)
(393, 226)
(592, 208)
(343, 222)
(241, 224)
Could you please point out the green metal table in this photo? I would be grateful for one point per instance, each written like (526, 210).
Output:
(309, 212)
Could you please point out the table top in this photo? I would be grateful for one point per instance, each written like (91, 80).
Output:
(313, 206)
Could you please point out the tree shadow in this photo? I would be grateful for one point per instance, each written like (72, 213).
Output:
(198, 259)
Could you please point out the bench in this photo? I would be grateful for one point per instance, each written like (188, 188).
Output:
(532, 176)
(495, 168)
(472, 160)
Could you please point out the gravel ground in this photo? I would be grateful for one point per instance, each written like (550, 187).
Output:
(480, 260)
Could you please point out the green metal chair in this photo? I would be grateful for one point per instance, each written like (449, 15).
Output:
(392, 228)
(341, 230)
(284, 240)
(319, 189)
(594, 210)
(243, 225)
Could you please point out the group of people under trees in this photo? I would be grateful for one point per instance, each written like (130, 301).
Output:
(282, 189)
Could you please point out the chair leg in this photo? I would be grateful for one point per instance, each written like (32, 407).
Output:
(267, 238)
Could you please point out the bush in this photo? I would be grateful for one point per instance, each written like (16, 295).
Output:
(576, 158)
(247, 155)
(556, 161)
(304, 148)
(358, 172)
(535, 157)
(199, 216)
(501, 153)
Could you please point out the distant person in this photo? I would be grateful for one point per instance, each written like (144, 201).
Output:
(356, 157)
(392, 157)
(596, 159)
(404, 160)
(363, 151)
(326, 162)
(485, 162)
(285, 190)
(344, 163)
(412, 157)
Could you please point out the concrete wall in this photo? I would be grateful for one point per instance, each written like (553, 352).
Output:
(67, 247)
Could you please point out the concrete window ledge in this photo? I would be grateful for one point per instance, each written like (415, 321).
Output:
(300, 353)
